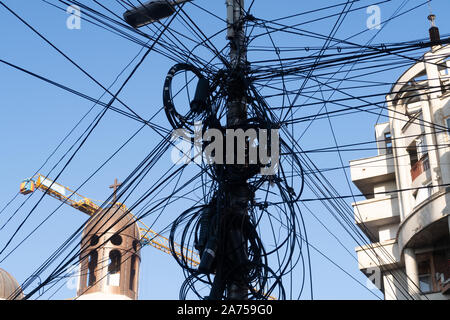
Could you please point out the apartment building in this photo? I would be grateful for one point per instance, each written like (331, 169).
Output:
(407, 186)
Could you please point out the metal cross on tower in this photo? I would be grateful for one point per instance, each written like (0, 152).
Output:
(115, 186)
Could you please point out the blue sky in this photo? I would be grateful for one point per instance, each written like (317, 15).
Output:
(37, 115)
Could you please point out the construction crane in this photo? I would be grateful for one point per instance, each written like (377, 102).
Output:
(89, 207)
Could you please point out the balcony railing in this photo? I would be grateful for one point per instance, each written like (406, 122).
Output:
(420, 166)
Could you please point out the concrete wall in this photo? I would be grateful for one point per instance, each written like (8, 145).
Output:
(388, 232)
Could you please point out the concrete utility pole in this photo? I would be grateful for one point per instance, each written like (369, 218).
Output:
(237, 192)
(237, 106)
(230, 276)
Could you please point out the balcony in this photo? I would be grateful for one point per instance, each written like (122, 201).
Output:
(369, 171)
(420, 167)
(427, 223)
(376, 212)
(384, 253)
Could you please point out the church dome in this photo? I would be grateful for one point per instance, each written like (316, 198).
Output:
(112, 220)
(8, 286)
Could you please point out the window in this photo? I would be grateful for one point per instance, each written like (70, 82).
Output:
(116, 240)
(132, 285)
(92, 265)
(135, 245)
(113, 278)
(94, 240)
(425, 281)
(388, 141)
(427, 272)
(447, 122)
(418, 156)
(412, 151)
(441, 259)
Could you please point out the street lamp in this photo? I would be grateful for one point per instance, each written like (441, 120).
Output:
(150, 12)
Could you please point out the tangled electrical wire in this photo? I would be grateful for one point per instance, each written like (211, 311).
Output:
(248, 227)
(226, 229)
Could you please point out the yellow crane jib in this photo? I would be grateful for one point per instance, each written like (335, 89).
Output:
(89, 207)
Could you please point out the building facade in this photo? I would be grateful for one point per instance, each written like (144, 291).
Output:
(407, 186)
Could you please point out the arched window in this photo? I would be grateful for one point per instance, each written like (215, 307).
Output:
(94, 240)
(116, 240)
(92, 265)
(136, 244)
(113, 278)
(132, 285)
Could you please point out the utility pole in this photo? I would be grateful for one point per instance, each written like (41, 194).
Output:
(231, 273)
(237, 107)
(237, 191)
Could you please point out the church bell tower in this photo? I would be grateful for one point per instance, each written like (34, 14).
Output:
(110, 256)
